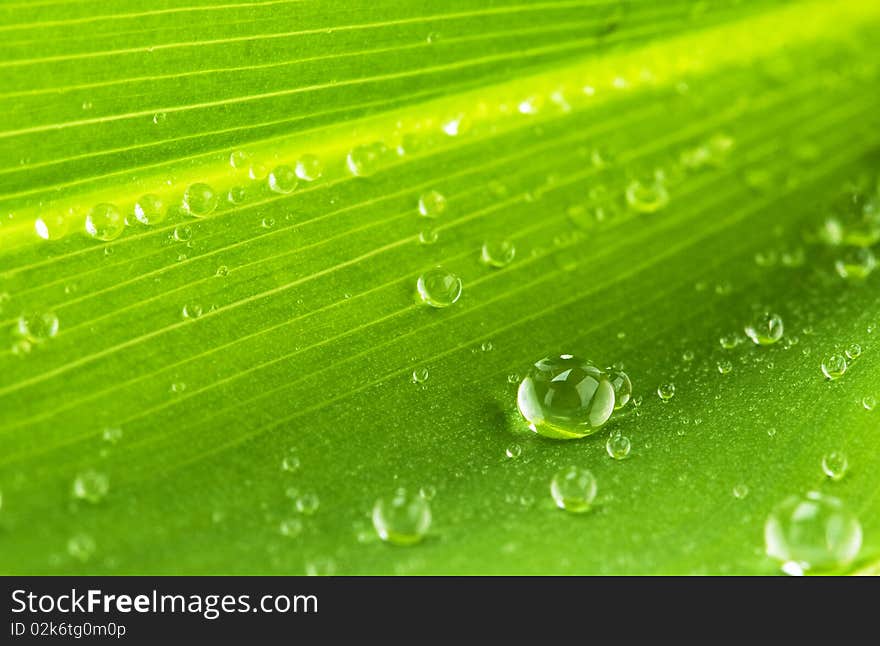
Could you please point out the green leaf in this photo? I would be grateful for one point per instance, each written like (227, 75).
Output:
(197, 357)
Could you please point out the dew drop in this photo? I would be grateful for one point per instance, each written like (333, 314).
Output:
(740, 491)
(834, 366)
(222, 271)
(112, 434)
(199, 199)
(618, 446)
(239, 160)
(428, 237)
(432, 204)
(646, 196)
(766, 329)
(37, 326)
(307, 504)
(150, 209)
(81, 547)
(159, 118)
(513, 451)
(182, 233)
(622, 385)
(291, 462)
(428, 492)
(513, 378)
(497, 253)
(666, 391)
(854, 351)
(420, 375)
(573, 489)
(869, 402)
(283, 180)
(856, 263)
(191, 311)
(236, 195)
(564, 397)
(290, 527)
(51, 226)
(258, 171)
(724, 366)
(105, 222)
(91, 486)
(812, 532)
(268, 223)
(729, 341)
(438, 287)
(309, 168)
(403, 519)
(366, 159)
(835, 465)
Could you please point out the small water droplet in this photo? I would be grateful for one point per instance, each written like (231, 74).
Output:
(366, 159)
(420, 375)
(239, 160)
(622, 385)
(573, 489)
(268, 223)
(812, 532)
(403, 519)
(725, 366)
(854, 351)
(177, 387)
(291, 462)
(729, 341)
(91, 486)
(37, 326)
(513, 451)
(236, 195)
(513, 378)
(740, 491)
(428, 492)
(834, 366)
(428, 236)
(200, 199)
(291, 527)
(439, 287)
(869, 402)
(618, 446)
(766, 329)
(283, 180)
(105, 222)
(856, 263)
(191, 311)
(81, 547)
(646, 196)
(666, 391)
(497, 253)
(111, 434)
(307, 504)
(835, 465)
(182, 232)
(222, 271)
(432, 204)
(309, 168)
(51, 226)
(159, 118)
(564, 397)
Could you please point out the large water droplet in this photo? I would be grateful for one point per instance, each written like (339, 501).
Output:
(856, 263)
(573, 489)
(200, 200)
(51, 226)
(766, 329)
(150, 209)
(105, 222)
(565, 397)
(812, 532)
(438, 287)
(403, 519)
(283, 180)
(834, 366)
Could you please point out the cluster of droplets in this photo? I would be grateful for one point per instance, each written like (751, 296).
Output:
(851, 229)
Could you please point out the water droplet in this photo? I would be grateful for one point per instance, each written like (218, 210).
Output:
(432, 204)
(37, 326)
(159, 118)
(513, 378)
(724, 366)
(766, 329)
(740, 491)
(869, 402)
(222, 271)
(239, 160)
(364, 160)
(428, 236)
(513, 451)
(112, 434)
(182, 233)
(236, 195)
(258, 171)
(428, 492)
(403, 519)
(687, 355)
(199, 200)
(420, 375)
(835, 465)
(191, 311)
(729, 341)
(91, 486)
(834, 366)
(307, 504)
(150, 209)
(565, 397)
(573, 489)
(81, 547)
(856, 263)
(854, 351)
(497, 253)
(618, 446)
(268, 223)
(177, 387)
(309, 168)
(622, 387)
(51, 226)
(291, 527)
(291, 462)
(105, 222)
(646, 196)
(812, 532)
(21, 347)
(283, 179)
(438, 287)
(666, 391)
(432, 37)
